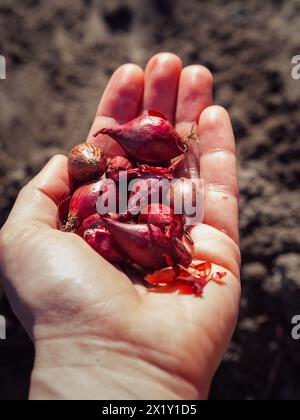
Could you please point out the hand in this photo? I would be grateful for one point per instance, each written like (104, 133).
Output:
(96, 334)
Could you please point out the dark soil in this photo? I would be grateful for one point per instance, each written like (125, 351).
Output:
(59, 56)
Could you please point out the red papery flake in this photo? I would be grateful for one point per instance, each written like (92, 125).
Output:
(183, 280)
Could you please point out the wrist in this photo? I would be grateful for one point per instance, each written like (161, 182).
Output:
(97, 369)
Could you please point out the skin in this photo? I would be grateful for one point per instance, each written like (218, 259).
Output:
(96, 335)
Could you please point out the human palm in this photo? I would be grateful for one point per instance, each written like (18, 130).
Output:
(59, 287)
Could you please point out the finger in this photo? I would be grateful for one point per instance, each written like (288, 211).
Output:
(212, 245)
(218, 168)
(123, 95)
(194, 93)
(161, 84)
(120, 103)
(109, 146)
(38, 201)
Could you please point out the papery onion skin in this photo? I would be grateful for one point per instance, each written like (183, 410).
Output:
(143, 171)
(163, 216)
(181, 255)
(86, 162)
(117, 164)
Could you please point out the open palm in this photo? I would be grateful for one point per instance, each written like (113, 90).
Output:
(59, 286)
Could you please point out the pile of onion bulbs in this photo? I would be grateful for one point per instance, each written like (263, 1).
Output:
(145, 238)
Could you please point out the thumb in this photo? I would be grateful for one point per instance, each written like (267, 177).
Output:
(38, 200)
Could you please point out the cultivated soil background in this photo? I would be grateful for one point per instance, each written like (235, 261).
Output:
(60, 55)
